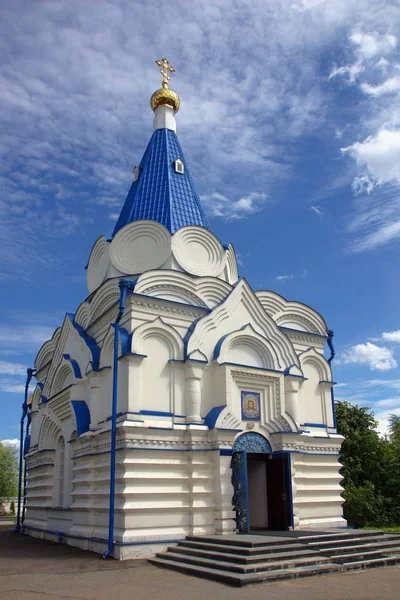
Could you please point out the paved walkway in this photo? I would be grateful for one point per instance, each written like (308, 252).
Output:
(33, 569)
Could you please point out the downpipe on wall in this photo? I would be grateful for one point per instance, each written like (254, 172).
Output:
(29, 375)
(330, 359)
(124, 287)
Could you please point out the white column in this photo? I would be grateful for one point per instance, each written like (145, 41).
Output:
(193, 375)
(292, 385)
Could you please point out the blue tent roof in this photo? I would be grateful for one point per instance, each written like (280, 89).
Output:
(160, 194)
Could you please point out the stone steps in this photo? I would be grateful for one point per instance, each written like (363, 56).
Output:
(271, 565)
(243, 559)
(241, 550)
(239, 579)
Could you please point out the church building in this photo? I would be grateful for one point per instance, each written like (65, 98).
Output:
(176, 400)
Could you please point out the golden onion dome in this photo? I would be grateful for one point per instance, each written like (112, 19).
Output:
(164, 96)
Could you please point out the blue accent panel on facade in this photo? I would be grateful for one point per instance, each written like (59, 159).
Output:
(126, 341)
(91, 344)
(225, 452)
(252, 442)
(27, 443)
(313, 425)
(82, 416)
(212, 416)
(75, 367)
(160, 194)
(156, 413)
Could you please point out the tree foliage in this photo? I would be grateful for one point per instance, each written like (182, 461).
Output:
(8, 472)
(371, 468)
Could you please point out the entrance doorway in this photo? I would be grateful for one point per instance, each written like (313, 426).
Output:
(267, 491)
(261, 481)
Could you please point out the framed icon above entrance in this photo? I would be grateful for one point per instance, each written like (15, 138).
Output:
(250, 402)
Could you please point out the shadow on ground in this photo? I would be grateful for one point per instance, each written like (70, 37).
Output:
(41, 556)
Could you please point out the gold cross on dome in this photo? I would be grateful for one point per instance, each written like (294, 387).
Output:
(165, 67)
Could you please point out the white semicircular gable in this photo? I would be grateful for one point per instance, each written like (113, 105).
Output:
(302, 317)
(272, 303)
(241, 306)
(107, 295)
(198, 251)
(99, 261)
(247, 347)
(294, 315)
(157, 329)
(231, 265)
(140, 246)
(318, 362)
(82, 315)
(181, 287)
(45, 354)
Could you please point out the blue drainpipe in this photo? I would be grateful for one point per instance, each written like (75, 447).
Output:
(330, 359)
(29, 375)
(124, 286)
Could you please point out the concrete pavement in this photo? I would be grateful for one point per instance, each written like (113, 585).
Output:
(32, 569)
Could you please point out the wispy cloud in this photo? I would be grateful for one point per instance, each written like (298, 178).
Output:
(218, 205)
(9, 368)
(317, 210)
(284, 277)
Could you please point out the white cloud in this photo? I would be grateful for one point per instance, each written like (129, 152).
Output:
(381, 236)
(376, 357)
(11, 387)
(380, 154)
(284, 277)
(10, 443)
(363, 184)
(351, 71)
(317, 210)
(389, 86)
(391, 336)
(218, 205)
(9, 368)
(372, 44)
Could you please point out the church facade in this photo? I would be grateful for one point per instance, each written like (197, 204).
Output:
(223, 417)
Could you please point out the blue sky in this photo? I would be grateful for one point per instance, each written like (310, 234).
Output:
(290, 122)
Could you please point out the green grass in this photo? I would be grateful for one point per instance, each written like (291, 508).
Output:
(395, 529)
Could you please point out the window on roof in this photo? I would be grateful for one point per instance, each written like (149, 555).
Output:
(179, 166)
(136, 171)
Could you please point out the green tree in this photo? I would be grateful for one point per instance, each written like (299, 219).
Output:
(368, 467)
(394, 429)
(8, 472)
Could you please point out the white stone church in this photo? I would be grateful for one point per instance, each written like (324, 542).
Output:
(224, 418)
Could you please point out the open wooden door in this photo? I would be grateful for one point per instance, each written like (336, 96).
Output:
(278, 497)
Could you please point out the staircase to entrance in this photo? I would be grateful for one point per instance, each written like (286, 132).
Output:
(244, 559)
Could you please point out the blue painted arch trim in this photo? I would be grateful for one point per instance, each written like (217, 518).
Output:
(252, 442)
(91, 344)
(82, 416)
(75, 367)
(212, 416)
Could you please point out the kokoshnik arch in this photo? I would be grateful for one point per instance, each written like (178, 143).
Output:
(177, 400)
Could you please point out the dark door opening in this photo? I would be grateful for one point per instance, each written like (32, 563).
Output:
(267, 492)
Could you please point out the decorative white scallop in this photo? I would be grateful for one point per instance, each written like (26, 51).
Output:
(198, 251)
(140, 246)
(98, 264)
(231, 263)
